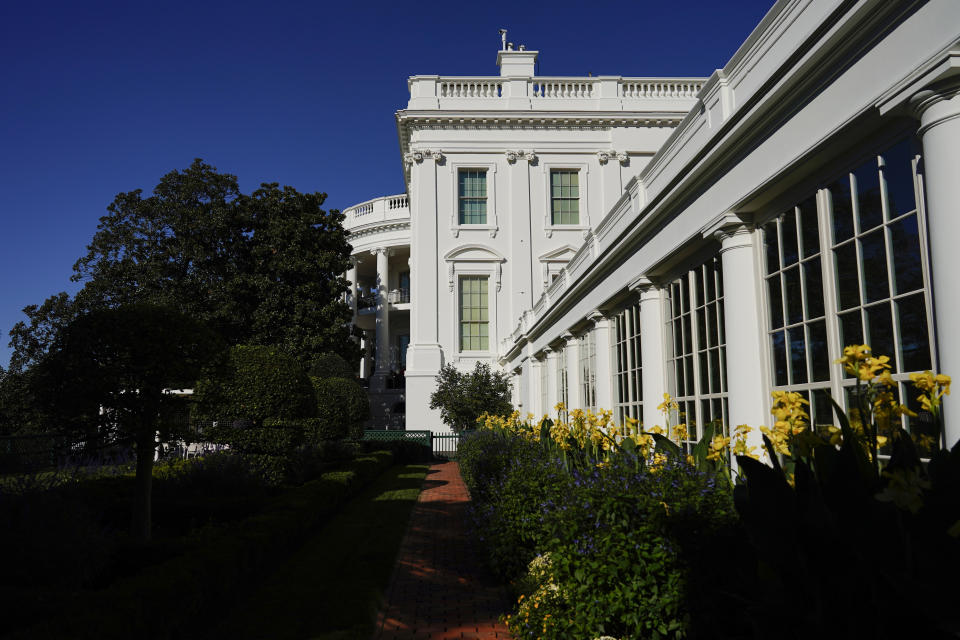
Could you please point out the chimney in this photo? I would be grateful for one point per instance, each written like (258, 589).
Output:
(516, 64)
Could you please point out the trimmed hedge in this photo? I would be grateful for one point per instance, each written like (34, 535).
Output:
(173, 598)
(330, 365)
(342, 409)
(257, 383)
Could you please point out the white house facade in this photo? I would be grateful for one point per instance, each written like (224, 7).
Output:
(607, 240)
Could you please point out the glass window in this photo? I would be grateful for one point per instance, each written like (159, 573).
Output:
(588, 370)
(628, 361)
(697, 366)
(874, 258)
(565, 196)
(473, 196)
(474, 314)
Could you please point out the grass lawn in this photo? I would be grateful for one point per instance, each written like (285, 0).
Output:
(331, 588)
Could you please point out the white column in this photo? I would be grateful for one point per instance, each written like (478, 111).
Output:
(352, 277)
(652, 351)
(551, 365)
(939, 111)
(383, 318)
(572, 348)
(745, 331)
(424, 355)
(364, 359)
(604, 372)
(518, 217)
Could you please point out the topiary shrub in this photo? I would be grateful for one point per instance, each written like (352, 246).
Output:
(342, 409)
(330, 365)
(256, 383)
(464, 397)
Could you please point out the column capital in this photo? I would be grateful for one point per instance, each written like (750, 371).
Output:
(728, 225)
(568, 337)
(354, 261)
(936, 104)
(387, 251)
(597, 316)
(642, 285)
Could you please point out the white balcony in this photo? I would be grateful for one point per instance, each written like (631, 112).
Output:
(383, 210)
(602, 93)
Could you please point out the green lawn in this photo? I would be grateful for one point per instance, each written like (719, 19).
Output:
(332, 587)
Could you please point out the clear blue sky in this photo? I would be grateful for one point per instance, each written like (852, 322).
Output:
(99, 98)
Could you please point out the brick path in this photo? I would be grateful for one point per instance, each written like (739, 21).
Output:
(438, 589)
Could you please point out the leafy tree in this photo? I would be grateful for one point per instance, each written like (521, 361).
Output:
(256, 383)
(260, 269)
(343, 407)
(464, 397)
(105, 374)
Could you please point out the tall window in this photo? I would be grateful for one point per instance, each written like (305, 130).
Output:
(697, 365)
(565, 196)
(562, 395)
(473, 196)
(629, 401)
(588, 370)
(544, 382)
(474, 314)
(875, 292)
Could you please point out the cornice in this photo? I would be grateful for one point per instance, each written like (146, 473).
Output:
(381, 227)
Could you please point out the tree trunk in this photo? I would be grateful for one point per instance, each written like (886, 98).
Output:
(142, 506)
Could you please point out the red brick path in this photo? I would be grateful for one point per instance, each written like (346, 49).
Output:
(438, 589)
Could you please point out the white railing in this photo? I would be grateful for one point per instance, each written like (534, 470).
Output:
(604, 92)
(469, 88)
(562, 88)
(384, 209)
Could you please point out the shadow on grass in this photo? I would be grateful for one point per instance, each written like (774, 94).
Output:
(332, 587)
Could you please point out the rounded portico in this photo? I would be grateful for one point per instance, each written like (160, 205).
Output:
(380, 299)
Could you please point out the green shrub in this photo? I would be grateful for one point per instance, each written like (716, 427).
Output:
(343, 408)
(330, 365)
(257, 383)
(464, 397)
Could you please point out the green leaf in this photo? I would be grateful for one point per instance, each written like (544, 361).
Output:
(667, 446)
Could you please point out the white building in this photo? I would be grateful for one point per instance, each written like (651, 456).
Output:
(610, 239)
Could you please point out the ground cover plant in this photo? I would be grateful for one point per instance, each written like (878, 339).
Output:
(614, 531)
(221, 521)
(333, 585)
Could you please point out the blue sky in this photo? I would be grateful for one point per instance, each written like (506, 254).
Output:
(100, 97)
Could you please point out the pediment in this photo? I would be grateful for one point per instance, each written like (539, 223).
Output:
(473, 253)
(560, 254)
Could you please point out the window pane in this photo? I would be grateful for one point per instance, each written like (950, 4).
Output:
(814, 282)
(880, 325)
(842, 214)
(822, 409)
(809, 227)
(875, 266)
(905, 238)
(793, 295)
(779, 353)
(819, 356)
(914, 341)
(851, 330)
(898, 174)
(715, 371)
(848, 283)
(704, 373)
(771, 245)
(798, 355)
(788, 236)
(775, 302)
(867, 178)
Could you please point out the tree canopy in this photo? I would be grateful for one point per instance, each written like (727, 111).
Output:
(106, 374)
(464, 397)
(265, 268)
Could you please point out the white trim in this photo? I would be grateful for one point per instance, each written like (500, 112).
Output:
(491, 226)
(584, 169)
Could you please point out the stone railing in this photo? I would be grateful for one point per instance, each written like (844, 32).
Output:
(610, 93)
(384, 209)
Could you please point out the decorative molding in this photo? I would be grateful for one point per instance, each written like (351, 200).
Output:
(605, 155)
(519, 154)
(420, 155)
(450, 275)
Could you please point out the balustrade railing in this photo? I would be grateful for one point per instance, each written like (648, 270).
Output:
(379, 209)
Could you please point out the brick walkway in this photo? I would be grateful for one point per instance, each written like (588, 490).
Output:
(438, 589)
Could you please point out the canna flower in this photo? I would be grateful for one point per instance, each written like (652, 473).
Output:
(718, 447)
(668, 404)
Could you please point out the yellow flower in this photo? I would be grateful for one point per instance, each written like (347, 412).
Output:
(718, 447)
(667, 404)
(680, 433)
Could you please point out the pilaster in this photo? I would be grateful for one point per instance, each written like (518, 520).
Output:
(652, 350)
(604, 372)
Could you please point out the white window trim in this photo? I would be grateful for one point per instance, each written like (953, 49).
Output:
(491, 269)
(492, 225)
(584, 168)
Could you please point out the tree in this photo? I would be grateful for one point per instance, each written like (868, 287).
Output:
(105, 376)
(464, 397)
(260, 269)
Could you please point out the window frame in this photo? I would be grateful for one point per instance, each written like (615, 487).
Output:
(481, 276)
(583, 171)
(492, 225)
